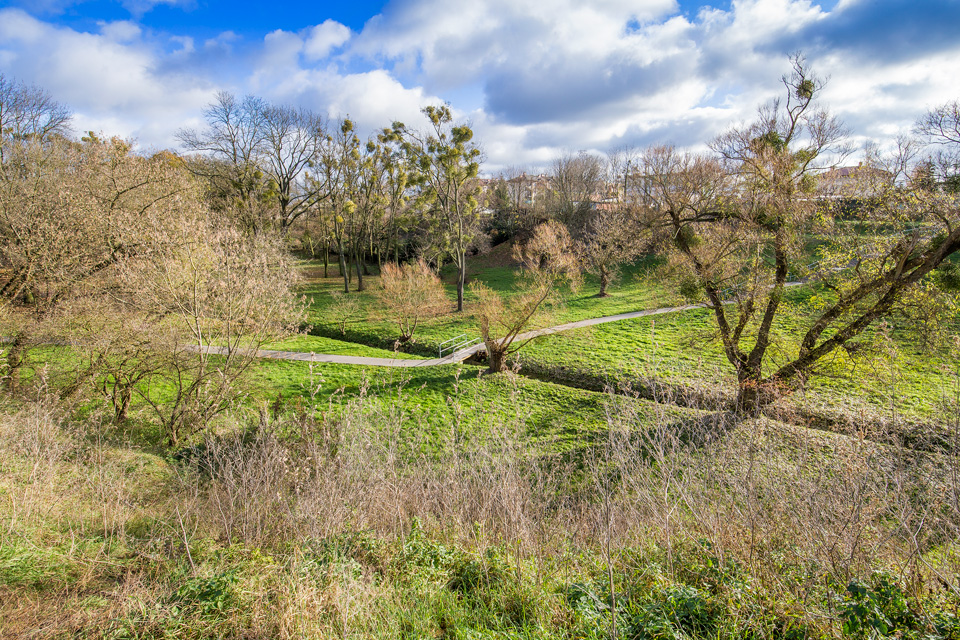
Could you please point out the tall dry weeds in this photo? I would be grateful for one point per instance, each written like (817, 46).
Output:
(793, 506)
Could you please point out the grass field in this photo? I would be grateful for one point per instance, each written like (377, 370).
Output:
(637, 291)
(898, 380)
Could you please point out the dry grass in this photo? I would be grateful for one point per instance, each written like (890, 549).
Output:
(313, 526)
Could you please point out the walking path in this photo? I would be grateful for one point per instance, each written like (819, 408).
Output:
(457, 356)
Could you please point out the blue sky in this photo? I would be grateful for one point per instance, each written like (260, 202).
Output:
(533, 78)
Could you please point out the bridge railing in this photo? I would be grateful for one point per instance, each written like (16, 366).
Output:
(458, 343)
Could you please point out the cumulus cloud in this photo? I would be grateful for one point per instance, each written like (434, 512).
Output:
(120, 31)
(456, 42)
(372, 99)
(111, 82)
(324, 38)
(559, 75)
(139, 7)
(533, 78)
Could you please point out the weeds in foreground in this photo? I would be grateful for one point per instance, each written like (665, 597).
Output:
(348, 523)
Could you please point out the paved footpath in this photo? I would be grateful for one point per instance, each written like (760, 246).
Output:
(457, 356)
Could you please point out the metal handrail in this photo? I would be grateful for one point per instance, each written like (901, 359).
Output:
(462, 335)
(466, 345)
(463, 343)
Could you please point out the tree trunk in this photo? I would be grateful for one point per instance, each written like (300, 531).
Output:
(357, 261)
(15, 357)
(461, 277)
(496, 359)
(753, 394)
(344, 272)
(366, 269)
(748, 398)
(604, 281)
(121, 405)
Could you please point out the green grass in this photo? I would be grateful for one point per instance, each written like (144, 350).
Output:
(332, 346)
(431, 400)
(684, 347)
(680, 348)
(638, 290)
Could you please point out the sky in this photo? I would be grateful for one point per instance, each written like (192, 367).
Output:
(534, 79)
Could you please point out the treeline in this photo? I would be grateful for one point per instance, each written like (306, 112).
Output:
(398, 194)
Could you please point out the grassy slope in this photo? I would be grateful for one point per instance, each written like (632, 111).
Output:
(553, 417)
(103, 538)
(635, 293)
(680, 348)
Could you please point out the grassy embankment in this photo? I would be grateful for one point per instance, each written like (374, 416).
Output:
(437, 503)
(895, 378)
(668, 523)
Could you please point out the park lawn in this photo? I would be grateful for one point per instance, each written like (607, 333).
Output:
(320, 344)
(901, 379)
(638, 289)
(684, 348)
(432, 403)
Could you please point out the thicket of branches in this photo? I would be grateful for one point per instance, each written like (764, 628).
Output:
(118, 257)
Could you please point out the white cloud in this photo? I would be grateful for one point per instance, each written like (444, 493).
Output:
(533, 77)
(186, 45)
(139, 7)
(122, 31)
(112, 85)
(371, 99)
(223, 41)
(324, 38)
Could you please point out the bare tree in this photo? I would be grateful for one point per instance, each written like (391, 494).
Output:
(410, 294)
(577, 182)
(549, 264)
(292, 145)
(69, 215)
(344, 309)
(222, 293)
(118, 255)
(610, 240)
(257, 158)
(28, 113)
(940, 127)
(230, 148)
(396, 192)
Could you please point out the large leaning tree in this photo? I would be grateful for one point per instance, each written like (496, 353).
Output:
(445, 162)
(740, 220)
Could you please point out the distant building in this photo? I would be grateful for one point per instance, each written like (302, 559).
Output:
(853, 182)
